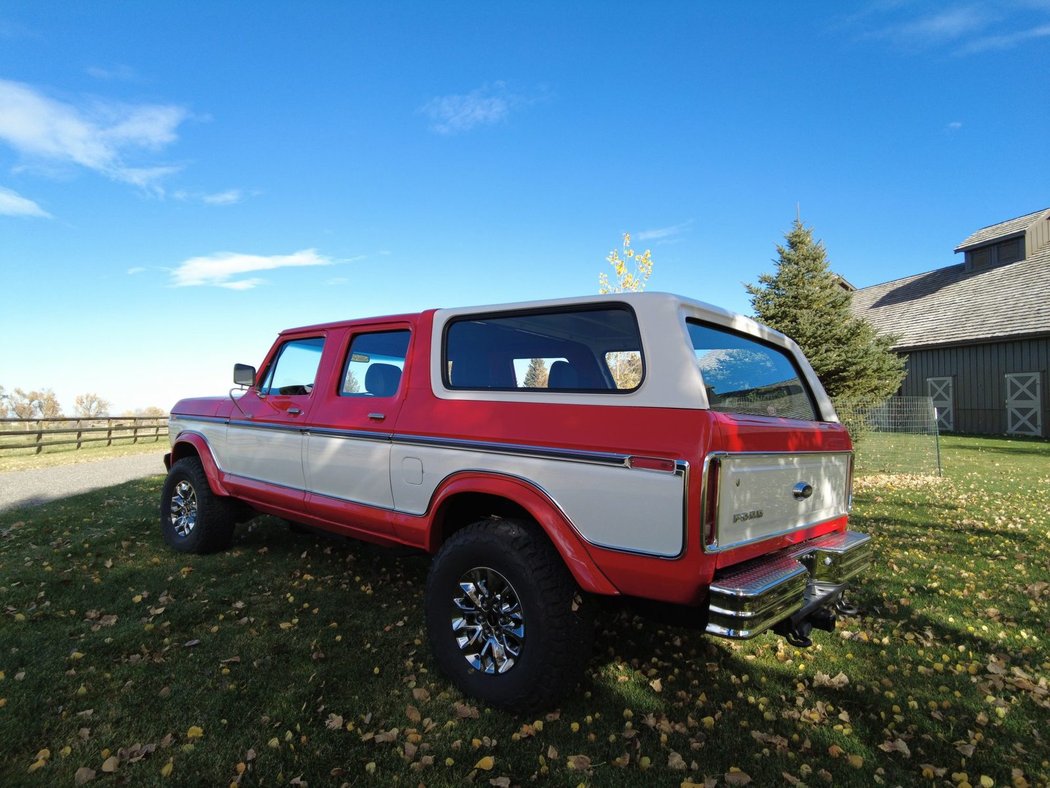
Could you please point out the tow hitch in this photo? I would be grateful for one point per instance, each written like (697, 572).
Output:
(820, 613)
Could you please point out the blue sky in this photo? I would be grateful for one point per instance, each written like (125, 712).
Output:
(180, 181)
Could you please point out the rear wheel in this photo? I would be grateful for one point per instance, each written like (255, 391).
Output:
(506, 621)
(192, 518)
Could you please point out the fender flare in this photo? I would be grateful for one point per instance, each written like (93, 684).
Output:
(200, 445)
(539, 506)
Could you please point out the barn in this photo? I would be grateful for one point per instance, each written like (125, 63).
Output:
(977, 334)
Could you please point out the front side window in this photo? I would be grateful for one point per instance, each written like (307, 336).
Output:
(742, 374)
(374, 364)
(589, 349)
(295, 367)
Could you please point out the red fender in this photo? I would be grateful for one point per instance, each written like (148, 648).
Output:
(541, 508)
(181, 449)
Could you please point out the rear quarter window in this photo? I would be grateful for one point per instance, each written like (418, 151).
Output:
(594, 349)
(743, 374)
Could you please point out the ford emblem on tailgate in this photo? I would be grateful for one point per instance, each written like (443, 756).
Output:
(745, 516)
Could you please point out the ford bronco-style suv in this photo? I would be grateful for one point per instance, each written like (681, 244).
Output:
(635, 445)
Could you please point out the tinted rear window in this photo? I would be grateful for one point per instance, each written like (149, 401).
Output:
(742, 374)
(583, 350)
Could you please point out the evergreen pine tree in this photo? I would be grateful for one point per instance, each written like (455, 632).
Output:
(536, 374)
(806, 301)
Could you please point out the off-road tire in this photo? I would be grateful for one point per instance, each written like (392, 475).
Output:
(557, 616)
(187, 495)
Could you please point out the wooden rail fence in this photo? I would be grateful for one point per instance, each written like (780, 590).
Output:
(41, 434)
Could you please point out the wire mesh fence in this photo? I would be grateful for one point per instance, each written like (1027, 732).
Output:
(896, 435)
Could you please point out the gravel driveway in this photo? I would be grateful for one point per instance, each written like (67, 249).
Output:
(40, 485)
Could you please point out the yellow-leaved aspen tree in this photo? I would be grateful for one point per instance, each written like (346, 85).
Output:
(632, 274)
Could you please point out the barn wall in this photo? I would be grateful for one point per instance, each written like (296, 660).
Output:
(978, 379)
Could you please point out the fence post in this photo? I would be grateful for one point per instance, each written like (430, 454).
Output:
(39, 437)
(80, 433)
(109, 432)
(937, 443)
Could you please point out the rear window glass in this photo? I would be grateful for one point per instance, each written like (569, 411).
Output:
(583, 350)
(745, 375)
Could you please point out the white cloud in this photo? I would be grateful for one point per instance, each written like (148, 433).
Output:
(97, 136)
(457, 113)
(662, 233)
(1005, 41)
(138, 269)
(955, 125)
(228, 197)
(224, 269)
(975, 27)
(119, 73)
(945, 26)
(14, 204)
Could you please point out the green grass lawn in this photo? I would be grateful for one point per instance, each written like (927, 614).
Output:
(296, 657)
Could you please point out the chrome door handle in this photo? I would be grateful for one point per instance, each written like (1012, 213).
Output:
(294, 411)
(377, 416)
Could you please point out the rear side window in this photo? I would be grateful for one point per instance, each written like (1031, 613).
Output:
(581, 350)
(742, 374)
(374, 364)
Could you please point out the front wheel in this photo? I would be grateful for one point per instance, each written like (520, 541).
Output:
(506, 621)
(192, 518)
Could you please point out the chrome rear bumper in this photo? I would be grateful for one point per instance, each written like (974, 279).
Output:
(748, 599)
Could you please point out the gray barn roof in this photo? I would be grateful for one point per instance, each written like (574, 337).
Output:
(1001, 230)
(954, 305)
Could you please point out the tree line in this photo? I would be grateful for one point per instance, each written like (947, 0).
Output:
(43, 404)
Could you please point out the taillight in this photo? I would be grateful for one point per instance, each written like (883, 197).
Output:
(710, 499)
(849, 483)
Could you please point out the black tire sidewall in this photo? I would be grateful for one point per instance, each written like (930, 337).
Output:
(199, 540)
(458, 557)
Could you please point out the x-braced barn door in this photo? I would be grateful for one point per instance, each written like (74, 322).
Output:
(940, 390)
(1023, 404)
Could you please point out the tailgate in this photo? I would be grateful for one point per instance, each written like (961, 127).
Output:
(762, 495)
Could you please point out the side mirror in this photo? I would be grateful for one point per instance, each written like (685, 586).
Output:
(244, 375)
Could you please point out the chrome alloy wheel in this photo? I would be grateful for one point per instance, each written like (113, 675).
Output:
(183, 508)
(489, 626)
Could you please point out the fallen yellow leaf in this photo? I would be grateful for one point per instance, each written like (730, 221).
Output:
(165, 770)
(195, 732)
(486, 763)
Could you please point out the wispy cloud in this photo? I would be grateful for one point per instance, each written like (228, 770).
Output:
(663, 233)
(949, 25)
(1006, 40)
(14, 204)
(227, 269)
(457, 113)
(138, 269)
(954, 126)
(118, 73)
(228, 197)
(97, 136)
(974, 27)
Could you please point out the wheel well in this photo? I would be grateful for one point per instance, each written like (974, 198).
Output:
(182, 450)
(461, 510)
